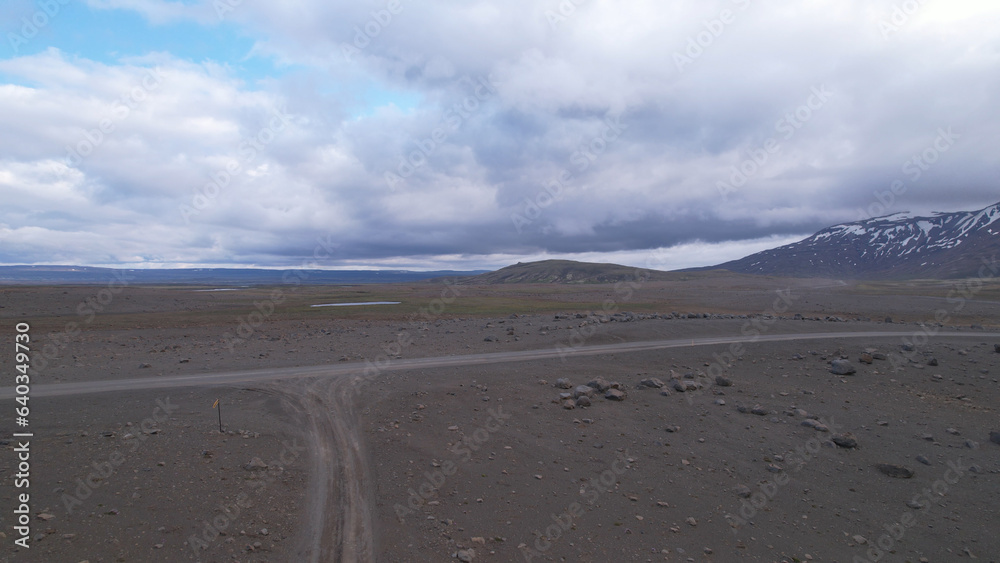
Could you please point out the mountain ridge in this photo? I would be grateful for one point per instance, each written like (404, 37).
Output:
(943, 245)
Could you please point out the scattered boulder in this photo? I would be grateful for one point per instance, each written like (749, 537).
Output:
(866, 358)
(615, 395)
(583, 401)
(842, 367)
(569, 404)
(563, 383)
(684, 385)
(600, 384)
(895, 471)
(879, 356)
(583, 391)
(845, 440)
(723, 381)
(652, 383)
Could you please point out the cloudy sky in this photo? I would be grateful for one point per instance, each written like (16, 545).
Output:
(471, 134)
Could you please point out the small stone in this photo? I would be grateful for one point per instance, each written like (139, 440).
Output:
(895, 471)
(673, 429)
(691, 521)
(723, 381)
(583, 401)
(563, 383)
(652, 382)
(743, 491)
(923, 459)
(466, 555)
(842, 367)
(615, 395)
(866, 358)
(845, 440)
(995, 437)
(952, 431)
(256, 464)
(932, 362)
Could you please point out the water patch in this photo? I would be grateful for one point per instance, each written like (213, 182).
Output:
(356, 304)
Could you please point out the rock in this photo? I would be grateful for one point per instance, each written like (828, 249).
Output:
(684, 385)
(842, 367)
(563, 383)
(652, 383)
(691, 521)
(923, 459)
(673, 429)
(995, 437)
(45, 516)
(615, 395)
(583, 401)
(600, 384)
(466, 555)
(743, 491)
(569, 404)
(879, 356)
(759, 411)
(845, 440)
(866, 359)
(256, 464)
(932, 362)
(996, 348)
(723, 382)
(895, 471)
(144, 366)
(583, 391)
(720, 402)
(952, 431)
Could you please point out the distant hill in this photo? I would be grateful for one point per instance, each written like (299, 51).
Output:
(59, 275)
(900, 246)
(561, 271)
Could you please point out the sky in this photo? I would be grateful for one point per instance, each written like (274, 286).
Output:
(473, 134)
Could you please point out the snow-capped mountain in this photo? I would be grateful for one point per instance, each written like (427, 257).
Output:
(943, 245)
